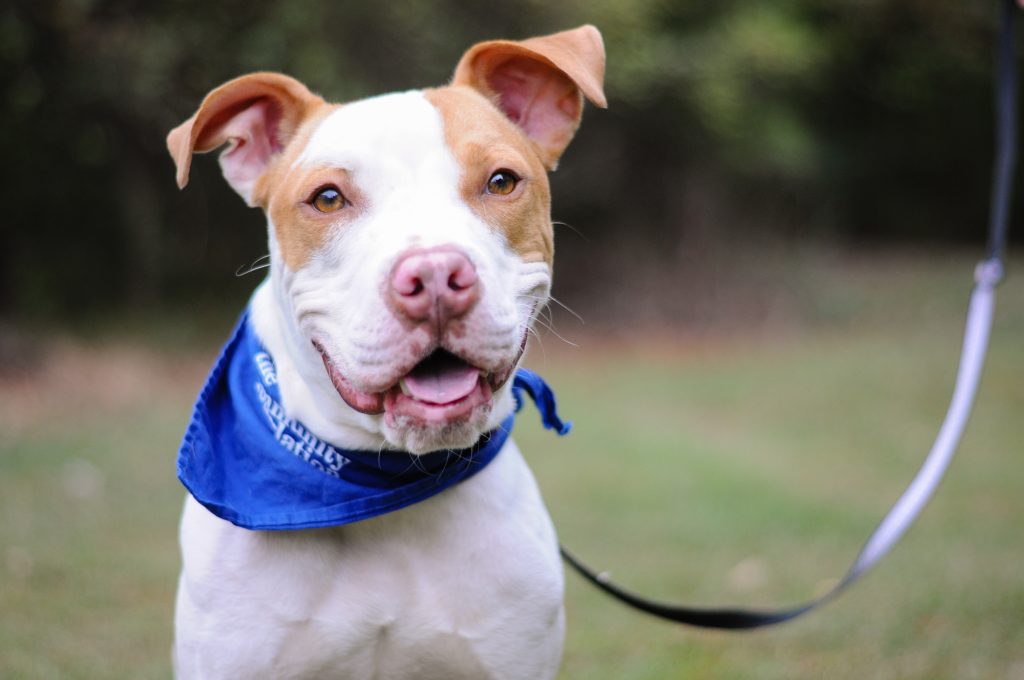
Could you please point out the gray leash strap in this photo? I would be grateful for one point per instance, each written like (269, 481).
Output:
(901, 516)
(898, 519)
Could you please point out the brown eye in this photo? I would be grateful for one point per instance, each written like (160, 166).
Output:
(328, 200)
(502, 183)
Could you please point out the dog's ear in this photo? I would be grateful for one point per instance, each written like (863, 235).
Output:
(540, 83)
(257, 114)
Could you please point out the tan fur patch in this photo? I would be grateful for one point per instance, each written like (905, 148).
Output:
(283, 192)
(483, 141)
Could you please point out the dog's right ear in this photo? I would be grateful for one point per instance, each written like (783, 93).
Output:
(257, 113)
(539, 84)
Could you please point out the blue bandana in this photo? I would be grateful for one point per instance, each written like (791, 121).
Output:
(249, 463)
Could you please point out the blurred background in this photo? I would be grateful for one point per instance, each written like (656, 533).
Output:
(733, 126)
(764, 249)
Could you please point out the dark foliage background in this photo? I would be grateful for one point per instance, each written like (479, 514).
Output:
(731, 124)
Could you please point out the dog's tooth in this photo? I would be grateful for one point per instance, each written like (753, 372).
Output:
(404, 388)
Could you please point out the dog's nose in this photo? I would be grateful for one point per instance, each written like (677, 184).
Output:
(438, 284)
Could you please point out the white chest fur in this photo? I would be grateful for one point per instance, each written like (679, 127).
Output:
(464, 585)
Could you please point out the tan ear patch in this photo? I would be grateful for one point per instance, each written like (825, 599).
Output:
(484, 141)
(283, 103)
(540, 83)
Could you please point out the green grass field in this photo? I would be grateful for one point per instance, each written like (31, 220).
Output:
(742, 467)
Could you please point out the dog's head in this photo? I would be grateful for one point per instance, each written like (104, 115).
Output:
(410, 233)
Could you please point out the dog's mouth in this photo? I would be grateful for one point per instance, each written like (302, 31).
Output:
(441, 388)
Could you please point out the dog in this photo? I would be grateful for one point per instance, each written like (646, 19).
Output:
(411, 247)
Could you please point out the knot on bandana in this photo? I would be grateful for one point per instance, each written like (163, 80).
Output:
(249, 463)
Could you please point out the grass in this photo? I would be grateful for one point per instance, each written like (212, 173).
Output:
(741, 468)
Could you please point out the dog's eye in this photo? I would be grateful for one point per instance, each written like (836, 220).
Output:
(502, 183)
(328, 200)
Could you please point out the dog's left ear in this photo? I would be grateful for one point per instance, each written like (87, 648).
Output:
(257, 114)
(540, 83)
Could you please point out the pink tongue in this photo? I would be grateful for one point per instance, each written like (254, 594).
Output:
(444, 385)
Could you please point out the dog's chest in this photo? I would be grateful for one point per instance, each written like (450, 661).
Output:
(467, 584)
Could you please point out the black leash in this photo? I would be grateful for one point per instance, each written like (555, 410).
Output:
(987, 275)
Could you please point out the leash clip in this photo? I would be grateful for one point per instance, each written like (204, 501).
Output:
(989, 273)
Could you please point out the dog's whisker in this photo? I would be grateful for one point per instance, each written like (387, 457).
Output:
(445, 466)
(551, 329)
(419, 464)
(255, 265)
(568, 309)
(540, 343)
(547, 315)
(504, 429)
(571, 228)
(552, 298)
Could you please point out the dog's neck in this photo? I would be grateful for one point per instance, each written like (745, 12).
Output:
(306, 390)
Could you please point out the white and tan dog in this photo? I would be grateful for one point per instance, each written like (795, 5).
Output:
(410, 249)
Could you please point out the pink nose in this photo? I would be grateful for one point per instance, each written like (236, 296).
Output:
(439, 284)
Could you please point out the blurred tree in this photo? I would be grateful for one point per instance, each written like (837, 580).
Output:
(729, 121)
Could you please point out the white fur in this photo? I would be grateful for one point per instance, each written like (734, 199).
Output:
(467, 584)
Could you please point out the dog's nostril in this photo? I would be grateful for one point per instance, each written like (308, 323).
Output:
(439, 283)
(462, 276)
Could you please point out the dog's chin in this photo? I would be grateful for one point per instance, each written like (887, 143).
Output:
(419, 436)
